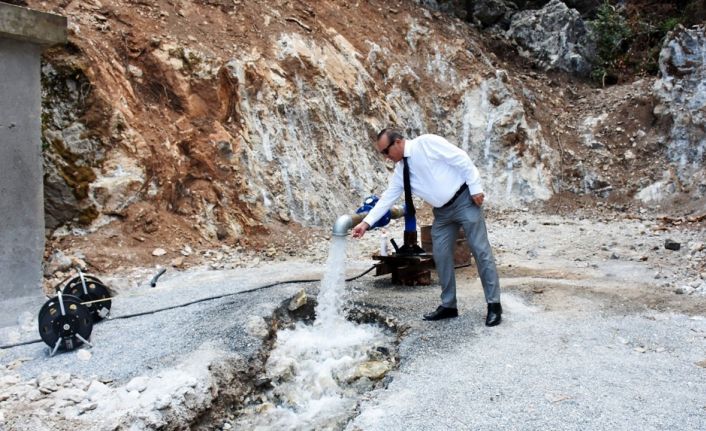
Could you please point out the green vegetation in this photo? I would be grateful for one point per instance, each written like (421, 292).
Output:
(612, 37)
(629, 35)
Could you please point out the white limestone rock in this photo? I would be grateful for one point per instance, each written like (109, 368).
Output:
(138, 384)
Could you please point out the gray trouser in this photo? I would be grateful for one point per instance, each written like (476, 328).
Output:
(463, 213)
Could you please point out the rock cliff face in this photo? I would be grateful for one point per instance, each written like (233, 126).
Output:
(682, 95)
(268, 114)
(219, 118)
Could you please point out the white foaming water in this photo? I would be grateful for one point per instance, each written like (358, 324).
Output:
(331, 294)
(313, 368)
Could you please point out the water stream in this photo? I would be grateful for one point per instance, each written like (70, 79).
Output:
(319, 371)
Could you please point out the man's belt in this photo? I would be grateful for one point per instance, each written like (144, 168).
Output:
(458, 193)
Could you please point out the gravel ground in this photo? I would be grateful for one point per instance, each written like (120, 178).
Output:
(577, 368)
(594, 336)
(603, 329)
(125, 348)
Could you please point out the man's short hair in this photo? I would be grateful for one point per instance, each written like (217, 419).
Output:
(391, 133)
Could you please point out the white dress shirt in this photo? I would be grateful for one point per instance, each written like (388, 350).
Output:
(437, 169)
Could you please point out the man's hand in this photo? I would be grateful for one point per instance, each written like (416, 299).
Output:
(478, 199)
(360, 229)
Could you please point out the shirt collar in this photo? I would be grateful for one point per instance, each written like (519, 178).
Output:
(407, 148)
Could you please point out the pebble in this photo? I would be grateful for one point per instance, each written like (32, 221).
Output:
(70, 394)
(84, 354)
(97, 390)
(373, 369)
(86, 406)
(670, 244)
(159, 252)
(298, 300)
(9, 380)
(33, 395)
(81, 384)
(135, 71)
(162, 402)
(62, 379)
(138, 384)
(70, 413)
(47, 384)
(44, 403)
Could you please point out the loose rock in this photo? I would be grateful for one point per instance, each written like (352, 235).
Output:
(373, 369)
(670, 244)
(84, 355)
(298, 301)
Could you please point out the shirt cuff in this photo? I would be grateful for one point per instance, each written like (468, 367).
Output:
(475, 189)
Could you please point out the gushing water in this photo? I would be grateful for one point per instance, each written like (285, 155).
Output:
(331, 295)
(315, 369)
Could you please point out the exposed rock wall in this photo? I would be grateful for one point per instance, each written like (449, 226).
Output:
(279, 128)
(681, 91)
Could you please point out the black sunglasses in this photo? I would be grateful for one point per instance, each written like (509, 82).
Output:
(386, 151)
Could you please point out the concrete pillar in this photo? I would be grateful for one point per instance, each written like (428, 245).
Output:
(23, 34)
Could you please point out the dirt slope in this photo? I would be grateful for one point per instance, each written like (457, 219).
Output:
(148, 143)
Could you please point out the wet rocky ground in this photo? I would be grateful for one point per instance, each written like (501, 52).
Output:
(603, 326)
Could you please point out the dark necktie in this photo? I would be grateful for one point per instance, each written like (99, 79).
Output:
(408, 191)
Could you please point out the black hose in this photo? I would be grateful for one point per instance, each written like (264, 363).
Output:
(24, 343)
(267, 286)
(255, 289)
(153, 282)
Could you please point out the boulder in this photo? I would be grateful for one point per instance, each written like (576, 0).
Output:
(555, 37)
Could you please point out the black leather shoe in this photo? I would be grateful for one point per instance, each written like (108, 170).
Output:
(495, 311)
(441, 313)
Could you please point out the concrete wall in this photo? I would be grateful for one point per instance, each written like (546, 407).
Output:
(22, 33)
(22, 203)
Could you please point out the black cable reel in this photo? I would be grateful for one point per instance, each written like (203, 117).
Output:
(92, 293)
(66, 321)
